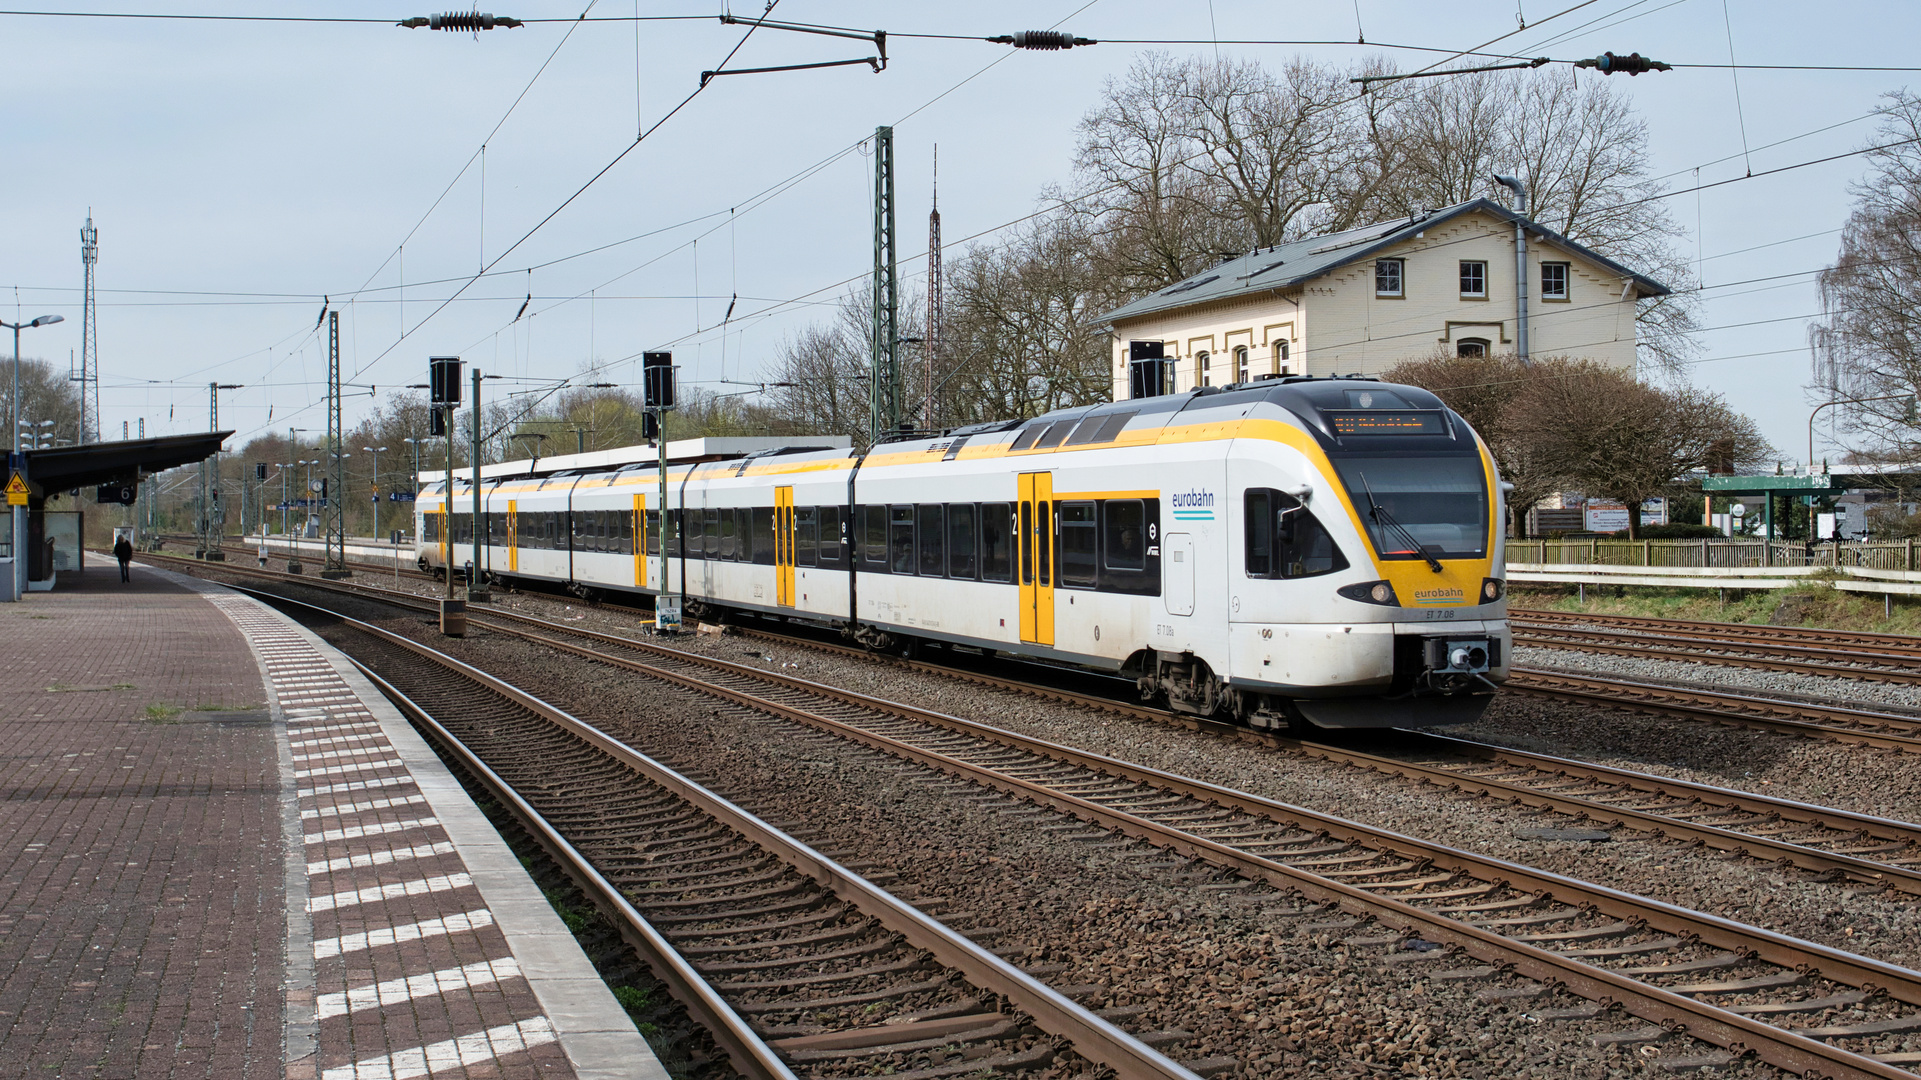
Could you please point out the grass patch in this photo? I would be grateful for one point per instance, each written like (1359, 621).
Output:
(633, 998)
(576, 922)
(158, 713)
(1812, 605)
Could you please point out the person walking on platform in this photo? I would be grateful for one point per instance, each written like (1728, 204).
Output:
(124, 552)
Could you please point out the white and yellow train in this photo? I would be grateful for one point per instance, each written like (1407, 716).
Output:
(1318, 550)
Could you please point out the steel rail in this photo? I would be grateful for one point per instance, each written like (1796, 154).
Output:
(1092, 1037)
(1672, 828)
(744, 1046)
(1710, 643)
(1577, 641)
(1900, 642)
(1700, 1019)
(1695, 704)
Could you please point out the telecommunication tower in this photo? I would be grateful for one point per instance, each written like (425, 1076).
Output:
(930, 346)
(88, 375)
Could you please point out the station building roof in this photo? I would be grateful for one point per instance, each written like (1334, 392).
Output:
(1286, 265)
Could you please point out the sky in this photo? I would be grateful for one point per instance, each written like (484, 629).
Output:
(240, 173)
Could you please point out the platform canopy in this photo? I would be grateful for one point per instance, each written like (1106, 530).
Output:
(1817, 484)
(64, 468)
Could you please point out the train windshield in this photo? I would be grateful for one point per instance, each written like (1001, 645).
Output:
(1419, 506)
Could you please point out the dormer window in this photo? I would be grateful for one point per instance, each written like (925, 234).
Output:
(1388, 277)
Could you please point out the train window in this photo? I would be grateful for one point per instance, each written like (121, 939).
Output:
(430, 527)
(1027, 543)
(1043, 537)
(1027, 436)
(830, 536)
(763, 535)
(1285, 539)
(875, 543)
(1077, 543)
(744, 533)
(676, 527)
(1258, 507)
(653, 532)
(997, 549)
(900, 539)
(729, 534)
(806, 536)
(626, 533)
(931, 532)
(1126, 540)
(960, 540)
(1056, 433)
(710, 548)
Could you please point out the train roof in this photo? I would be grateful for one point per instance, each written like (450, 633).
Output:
(1344, 413)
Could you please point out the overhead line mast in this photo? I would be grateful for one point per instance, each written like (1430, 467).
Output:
(930, 347)
(884, 349)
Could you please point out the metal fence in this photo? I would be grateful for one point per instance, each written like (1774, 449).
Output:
(1731, 554)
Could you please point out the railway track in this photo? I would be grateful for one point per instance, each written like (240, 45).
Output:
(1664, 964)
(795, 963)
(1873, 657)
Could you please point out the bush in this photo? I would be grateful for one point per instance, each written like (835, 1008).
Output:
(1679, 531)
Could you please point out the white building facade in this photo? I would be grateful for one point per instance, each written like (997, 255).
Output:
(1363, 300)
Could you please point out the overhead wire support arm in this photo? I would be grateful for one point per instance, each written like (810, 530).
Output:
(878, 37)
(1368, 80)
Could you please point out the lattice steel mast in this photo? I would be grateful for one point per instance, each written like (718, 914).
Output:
(88, 375)
(884, 365)
(333, 507)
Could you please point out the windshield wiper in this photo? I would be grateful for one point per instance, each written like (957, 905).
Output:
(1380, 514)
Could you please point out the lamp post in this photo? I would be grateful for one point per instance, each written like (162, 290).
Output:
(19, 543)
(376, 451)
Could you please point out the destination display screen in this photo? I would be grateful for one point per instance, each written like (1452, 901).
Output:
(1387, 422)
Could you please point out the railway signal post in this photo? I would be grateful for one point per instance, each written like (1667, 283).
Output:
(657, 396)
(443, 395)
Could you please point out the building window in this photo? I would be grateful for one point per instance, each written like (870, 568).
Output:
(1474, 279)
(1241, 372)
(1554, 281)
(1471, 346)
(1202, 361)
(1282, 366)
(1387, 276)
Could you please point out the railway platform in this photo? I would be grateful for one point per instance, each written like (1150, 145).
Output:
(229, 856)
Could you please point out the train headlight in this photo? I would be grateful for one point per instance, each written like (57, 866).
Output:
(1371, 592)
(1492, 589)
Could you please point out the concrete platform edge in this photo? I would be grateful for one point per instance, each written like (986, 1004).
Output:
(598, 1036)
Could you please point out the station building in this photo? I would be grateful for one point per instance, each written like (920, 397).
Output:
(1365, 299)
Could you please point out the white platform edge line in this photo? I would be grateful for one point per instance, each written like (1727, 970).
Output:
(597, 1035)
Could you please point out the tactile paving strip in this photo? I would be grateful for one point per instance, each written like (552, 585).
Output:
(412, 972)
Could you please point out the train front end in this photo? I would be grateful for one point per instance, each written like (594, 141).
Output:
(1377, 541)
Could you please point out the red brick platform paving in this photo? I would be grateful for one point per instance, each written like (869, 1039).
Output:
(299, 890)
(142, 913)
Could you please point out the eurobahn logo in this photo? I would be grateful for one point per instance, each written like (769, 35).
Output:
(1195, 505)
(1439, 597)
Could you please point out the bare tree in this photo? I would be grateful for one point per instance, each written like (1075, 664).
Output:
(45, 394)
(1629, 441)
(1868, 342)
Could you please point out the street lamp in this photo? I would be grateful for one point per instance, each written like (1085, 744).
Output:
(19, 542)
(376, 451)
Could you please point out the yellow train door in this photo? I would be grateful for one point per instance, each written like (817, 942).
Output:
(513, 535)
(784, 546)
(1036, 529)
